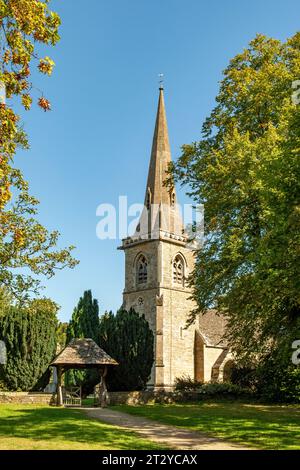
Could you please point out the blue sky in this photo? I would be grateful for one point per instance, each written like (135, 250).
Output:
(95, 143)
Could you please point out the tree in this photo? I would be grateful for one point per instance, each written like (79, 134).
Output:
(61, 335)
(30, 338)
(246, 171)
(84, 324)
(127, 338)
(85, 319)
(5, 300)
(24, 243)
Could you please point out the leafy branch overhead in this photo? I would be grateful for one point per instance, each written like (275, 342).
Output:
(245, 169)
(25, 25)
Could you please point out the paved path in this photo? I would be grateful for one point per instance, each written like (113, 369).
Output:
(172, 436)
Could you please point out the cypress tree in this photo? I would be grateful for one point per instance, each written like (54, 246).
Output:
(30, 338)
(84, 324)
(128, 338)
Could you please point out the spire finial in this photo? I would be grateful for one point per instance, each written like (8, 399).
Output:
(161, 81)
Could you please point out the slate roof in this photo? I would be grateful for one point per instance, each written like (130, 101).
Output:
(212, 326)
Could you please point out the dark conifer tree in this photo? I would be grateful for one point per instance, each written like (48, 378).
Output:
(84, 324)
(29, 335)
(127, 338)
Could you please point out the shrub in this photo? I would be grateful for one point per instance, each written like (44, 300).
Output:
(187, 389)
(245, 377)
(186, 384)
(224, 391)
(278, 382)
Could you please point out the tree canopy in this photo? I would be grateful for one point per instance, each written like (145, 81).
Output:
(25, 25)
(246, 172)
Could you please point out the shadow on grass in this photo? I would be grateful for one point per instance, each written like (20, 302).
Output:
(60, 424)
(262, 426)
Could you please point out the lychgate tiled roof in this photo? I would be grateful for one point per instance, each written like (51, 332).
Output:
(83, 352)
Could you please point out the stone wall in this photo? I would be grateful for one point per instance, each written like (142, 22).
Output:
(130, 398)
(140, 398)
(147, 396)
(25, 398)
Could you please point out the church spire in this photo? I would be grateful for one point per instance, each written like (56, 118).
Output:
(156, 192)
(161, 216)
(160, 200)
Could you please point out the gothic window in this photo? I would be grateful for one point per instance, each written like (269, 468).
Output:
(172, 197)
(142, 270)
(178, 270)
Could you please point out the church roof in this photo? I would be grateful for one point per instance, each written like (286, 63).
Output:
(212, 327)
(83, 352)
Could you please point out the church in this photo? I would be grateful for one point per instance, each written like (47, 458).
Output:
(158, 261)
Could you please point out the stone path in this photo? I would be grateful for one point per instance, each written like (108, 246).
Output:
(173, 437)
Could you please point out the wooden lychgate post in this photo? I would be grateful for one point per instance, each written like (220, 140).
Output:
(59, 397)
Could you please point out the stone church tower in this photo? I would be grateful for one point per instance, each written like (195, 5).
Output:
(158, 261)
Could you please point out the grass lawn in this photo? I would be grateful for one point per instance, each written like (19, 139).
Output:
(261, 426)
(43, 427)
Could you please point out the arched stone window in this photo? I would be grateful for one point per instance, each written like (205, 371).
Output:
(178, 270)
(142, 270)
(172, 199)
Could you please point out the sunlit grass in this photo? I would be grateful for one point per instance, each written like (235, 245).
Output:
(24, 427)
(261, 426)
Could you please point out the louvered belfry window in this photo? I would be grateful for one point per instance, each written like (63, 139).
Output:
(142, 270)
(178, 270)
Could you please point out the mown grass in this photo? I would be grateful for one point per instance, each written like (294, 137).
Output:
(260, 426)
(30, 427)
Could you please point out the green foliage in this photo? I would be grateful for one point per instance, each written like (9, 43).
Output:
(246, 171)
(85, 319)
(27, 249)
(29, 334)
(223, 391)
(186, 384)
(278, 379)
(5, 300)
(245, 377)
(274, 379)
(127, 338)
(84, 324)
(61, 335)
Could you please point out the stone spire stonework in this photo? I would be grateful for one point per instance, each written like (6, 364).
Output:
(161, 215)
(160, 157)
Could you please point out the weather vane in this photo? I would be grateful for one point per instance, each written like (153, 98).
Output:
(161, 80)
